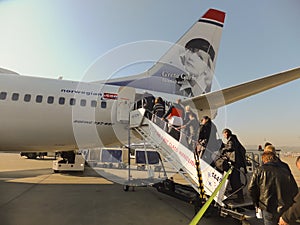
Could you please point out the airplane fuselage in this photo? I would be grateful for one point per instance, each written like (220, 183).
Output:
(39, 114)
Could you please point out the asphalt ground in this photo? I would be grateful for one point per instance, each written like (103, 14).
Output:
(31, 194)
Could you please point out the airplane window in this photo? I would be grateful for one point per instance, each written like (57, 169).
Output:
(27, 98)
(83, 102)
(3, 95)
(103, 104)
(39, 98)
(15, 96)
(50, 100)
(61, 101)
(93, 103)
(72, 101)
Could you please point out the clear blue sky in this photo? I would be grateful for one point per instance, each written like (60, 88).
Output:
(53, 38)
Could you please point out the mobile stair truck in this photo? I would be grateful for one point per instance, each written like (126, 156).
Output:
(202, 178)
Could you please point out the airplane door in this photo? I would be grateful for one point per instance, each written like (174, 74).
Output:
(126, 97)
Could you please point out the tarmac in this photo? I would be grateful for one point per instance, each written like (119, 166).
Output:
(31, 194)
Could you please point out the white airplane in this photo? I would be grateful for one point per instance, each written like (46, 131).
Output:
(40, 114)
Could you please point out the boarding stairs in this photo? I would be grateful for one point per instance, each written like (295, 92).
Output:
(179, 156)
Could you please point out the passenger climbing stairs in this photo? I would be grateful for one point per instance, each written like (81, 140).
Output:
(198, 173)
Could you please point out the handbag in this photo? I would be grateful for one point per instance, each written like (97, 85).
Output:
(222, 164)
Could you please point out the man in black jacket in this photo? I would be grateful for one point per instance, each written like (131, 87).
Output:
(290, 216)
(272, 188)
(207, 139)
(235, 152)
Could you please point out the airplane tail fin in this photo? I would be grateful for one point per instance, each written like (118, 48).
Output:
(187, 68)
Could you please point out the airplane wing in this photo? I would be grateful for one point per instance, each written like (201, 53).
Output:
(217, 99)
